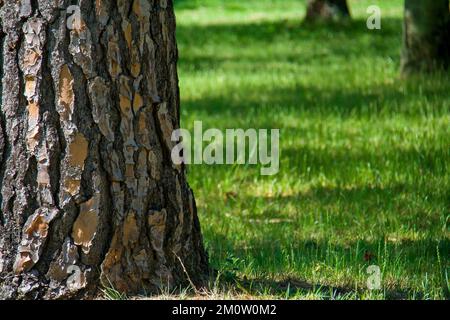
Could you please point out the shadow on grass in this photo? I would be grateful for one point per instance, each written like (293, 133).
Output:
(341, 40)
(355, 213)
(275, 258)
(246, 48)
(268, 31)
(195, 4)
(292, 287)
(289, 288)
(346, 102)
(348, 41)
(421, 159)
(224, 47)
(366, 253)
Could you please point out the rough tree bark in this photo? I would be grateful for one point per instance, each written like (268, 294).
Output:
(327, 10)
(426, 36)
(89, 193)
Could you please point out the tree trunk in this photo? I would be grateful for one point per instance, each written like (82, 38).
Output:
(89, 194)
(426, 36)
(327, 10)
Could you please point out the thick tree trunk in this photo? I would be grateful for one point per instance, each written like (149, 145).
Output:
(89, 193)
(327, 10)
(426, 36)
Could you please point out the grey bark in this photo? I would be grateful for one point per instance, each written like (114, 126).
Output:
(327, 10)
(426, 36)
(89, 194)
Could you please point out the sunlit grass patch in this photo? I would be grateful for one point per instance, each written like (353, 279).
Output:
(364, 154)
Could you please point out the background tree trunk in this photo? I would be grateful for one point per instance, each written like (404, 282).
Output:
(426, 35)
(88, 189)
(327, 10)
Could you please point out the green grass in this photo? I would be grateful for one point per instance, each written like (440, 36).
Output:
(364, 154)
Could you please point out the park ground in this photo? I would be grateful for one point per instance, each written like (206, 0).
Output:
(364, 175)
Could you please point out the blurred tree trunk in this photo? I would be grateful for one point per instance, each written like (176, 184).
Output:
(327, 10)
(426, 36)
(89, 194)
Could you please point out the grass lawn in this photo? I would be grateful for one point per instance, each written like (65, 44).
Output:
(364, 176)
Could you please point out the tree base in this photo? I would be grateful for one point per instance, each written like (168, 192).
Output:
(327, 11)
(90, 196)
(426, 37)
